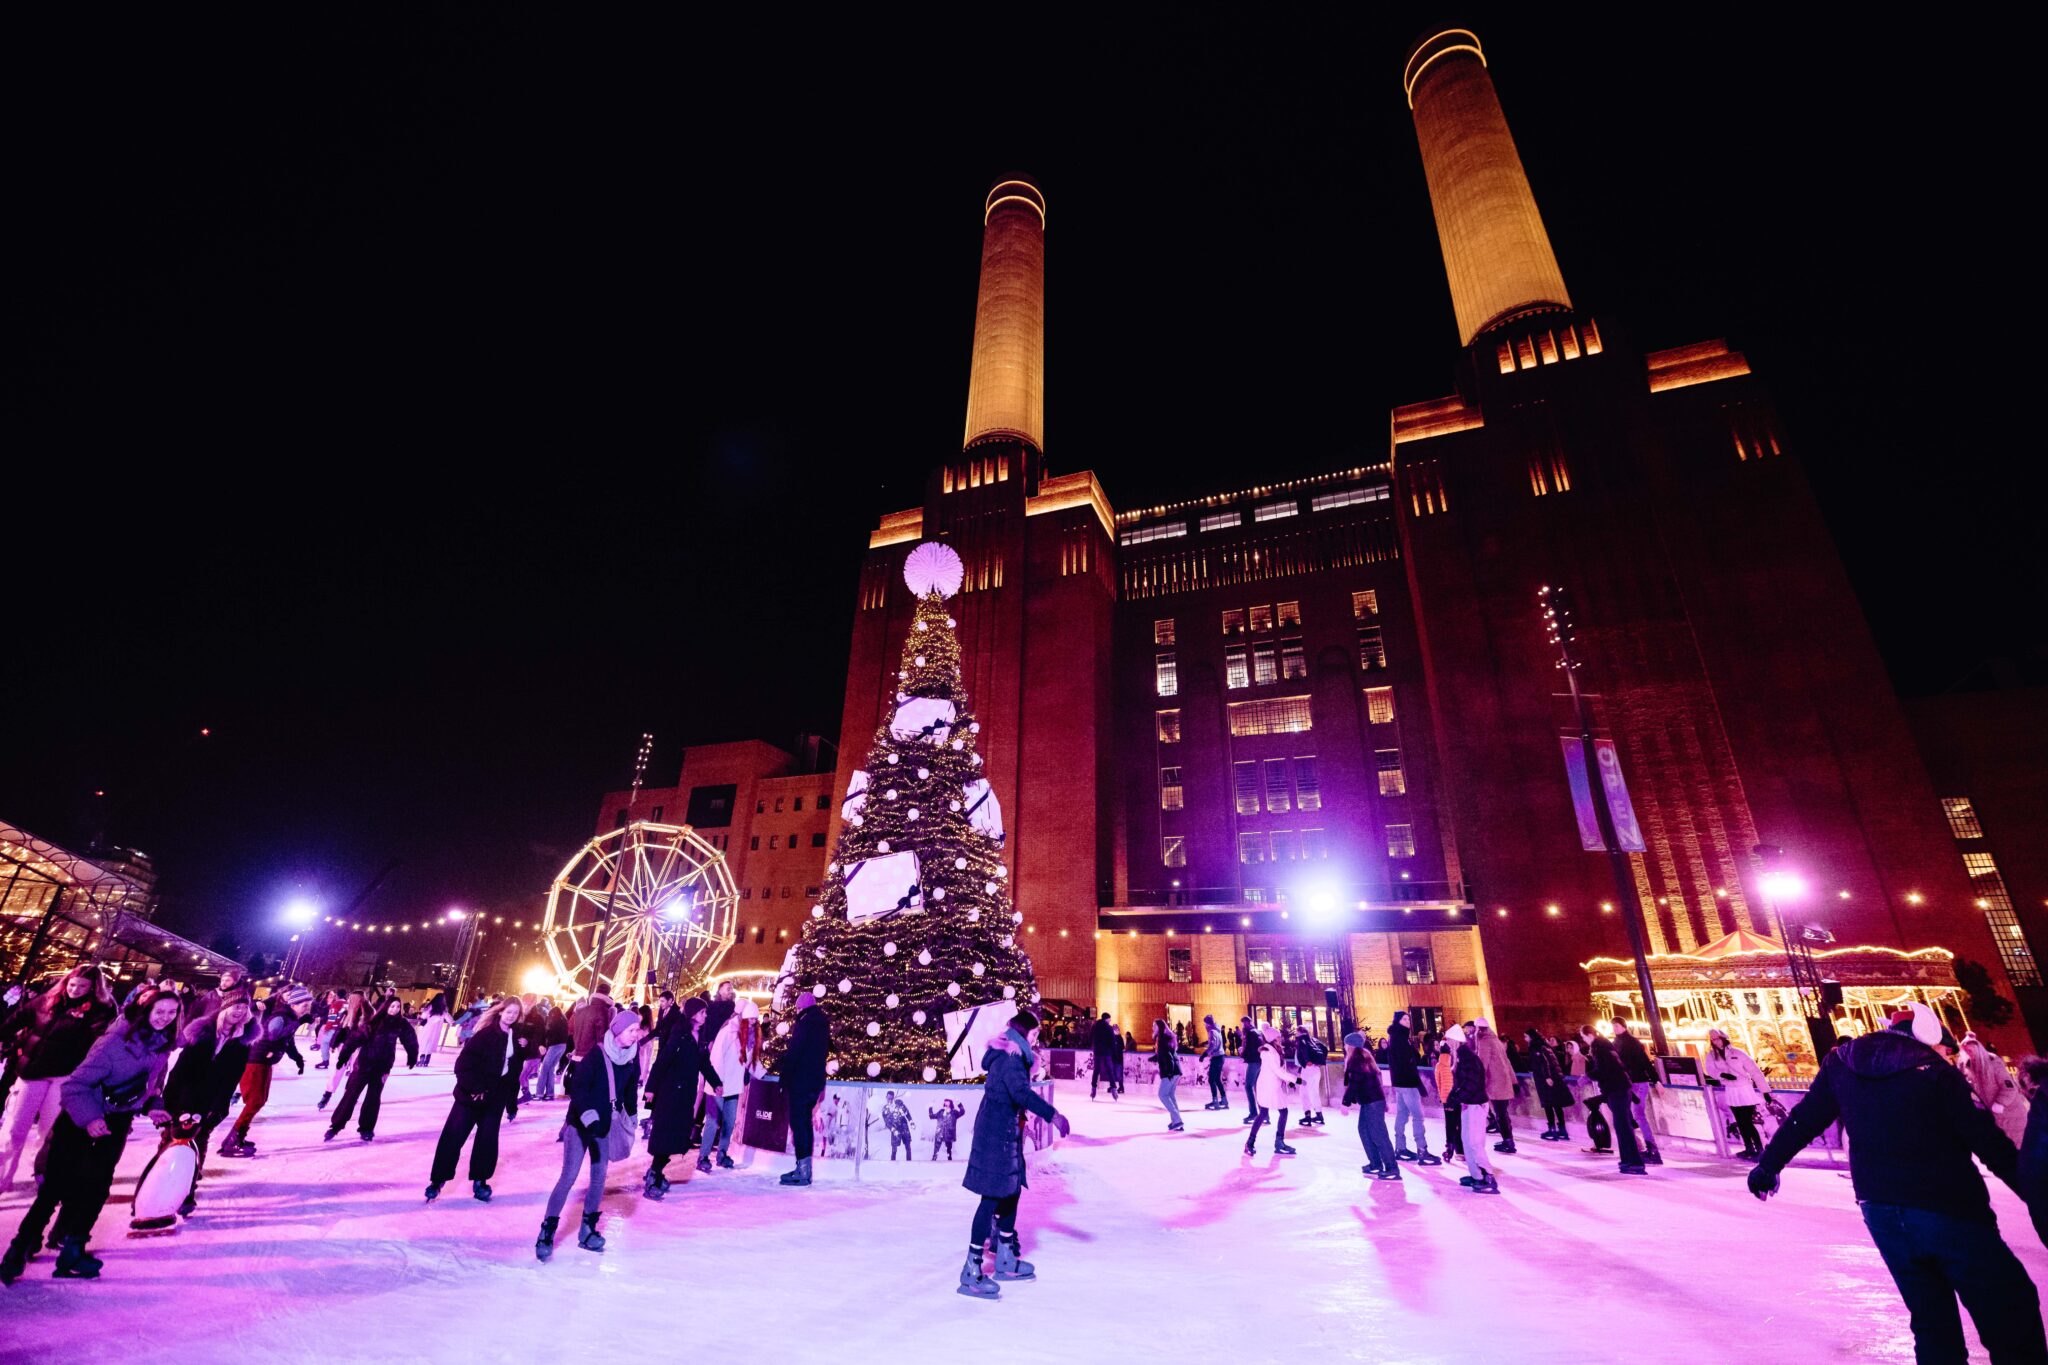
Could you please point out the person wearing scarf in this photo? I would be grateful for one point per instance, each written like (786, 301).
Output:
(603, 1089)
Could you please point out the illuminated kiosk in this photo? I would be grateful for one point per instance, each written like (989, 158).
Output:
(1742, 984)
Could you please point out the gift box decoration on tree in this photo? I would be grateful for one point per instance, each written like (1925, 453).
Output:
(915, 920)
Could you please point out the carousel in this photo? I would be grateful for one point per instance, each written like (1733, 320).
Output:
(1743, 985)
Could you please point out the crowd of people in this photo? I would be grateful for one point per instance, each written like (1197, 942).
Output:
(80, 1065)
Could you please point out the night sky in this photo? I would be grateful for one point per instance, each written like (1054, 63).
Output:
(430, 404)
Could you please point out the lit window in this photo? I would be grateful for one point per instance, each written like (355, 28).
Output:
(1326, 967)
(1245, 779)
(1165, 531)
(1262, 619)
(1162, 632)
(1400, 841)
(1289, 614)
(1312, 848)
(1180, 964)
(1346, 498)
(1392, 781)
(1233, 621)
(1418, 966)
(1365, 605)
(1962, 817)
(1255, 896)
(1173, 850)
(1169, 727)
(1286, 849)
(1236, 671)
(1272, 716)
(1166, 675)
(2013, 949)
(1293, 662)
(1265, 668)
(1258, 962)
(1308, 792)
(1169, 789)
(1379, 704)
(1251, 846)
(1273, 511)
(1222, 521)
(1293, 967)
(1372, 649)
(1985, 882)
(1278, 798)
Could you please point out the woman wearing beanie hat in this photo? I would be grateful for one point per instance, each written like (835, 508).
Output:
(603, 1089)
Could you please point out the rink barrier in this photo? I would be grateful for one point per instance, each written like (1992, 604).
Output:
(859, 1127)
(1678, 1112)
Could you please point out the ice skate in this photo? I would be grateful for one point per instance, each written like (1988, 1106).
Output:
(481, 1189)
(544, 1245)
(973, 1283)
(433, 1190)
(74, 1262)
(587, 1236)
(651, 1188)
(189, 1207)
(1010, 1265)
(1282, 1149)
(1653, 1157)
(1486, 1184)
(330, 1135)
(1403, 1154)
(15, 1260)
(799, 1176)
(1390, 1173)
(1423, 1158)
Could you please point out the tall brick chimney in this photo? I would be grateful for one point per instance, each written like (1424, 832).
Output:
(1006, 388)
(1496, 252)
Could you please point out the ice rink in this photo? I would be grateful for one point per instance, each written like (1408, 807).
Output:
(1150, 1246)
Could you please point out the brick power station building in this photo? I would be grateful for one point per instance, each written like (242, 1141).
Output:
(1304, 737)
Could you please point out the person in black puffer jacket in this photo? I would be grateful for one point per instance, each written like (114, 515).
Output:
(1405, 1073)
(1605, 1069)
(1913, 1126)
(375, 1049)
(486, 1070)
(1642, 1074)
(49, 1034)
(803, 1072)
(214, 1055)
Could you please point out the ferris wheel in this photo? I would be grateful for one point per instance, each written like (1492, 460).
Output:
(674, 917)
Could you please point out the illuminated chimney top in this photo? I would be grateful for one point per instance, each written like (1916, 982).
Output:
(1496, 252)
(1006, 387)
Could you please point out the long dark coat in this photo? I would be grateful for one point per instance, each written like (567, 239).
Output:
(481, 1072)
(1548, 1077)
(672, 1080)
(995, 1164)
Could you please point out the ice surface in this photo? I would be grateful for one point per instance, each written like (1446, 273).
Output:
(1150, 1246)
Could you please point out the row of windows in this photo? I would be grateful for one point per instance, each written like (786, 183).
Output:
(775, 841)
(1281, 846)
(1244, 665)
(1297, 966)
(1265, 511)
(796, 804)
(1379, 710)
(1303, 793)
(1992, 894)
(1962, 817)
(1270, 716)
(768, 894)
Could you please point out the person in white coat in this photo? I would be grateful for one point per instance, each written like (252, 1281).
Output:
(1278, 1088)
(1742, 1084)
(735, 1047)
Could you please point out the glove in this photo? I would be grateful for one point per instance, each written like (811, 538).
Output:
(1059, 1121)
(1762, 1183)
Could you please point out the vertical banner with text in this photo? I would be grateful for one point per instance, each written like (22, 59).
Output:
(1619, 808)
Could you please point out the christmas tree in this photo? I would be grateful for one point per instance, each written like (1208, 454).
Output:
(915, 919)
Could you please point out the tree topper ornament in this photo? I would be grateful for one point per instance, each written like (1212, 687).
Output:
(933, 568)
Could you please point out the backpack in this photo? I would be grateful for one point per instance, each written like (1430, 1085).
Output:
(1313, 1053)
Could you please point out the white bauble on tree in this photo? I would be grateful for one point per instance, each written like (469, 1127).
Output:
(979, 968)
(892, 1000)
(931, 1073)
(924, 957)
(874, 1069)
(782, 1029)
(1009, 992)
(917, 1016)
(832, 1068)
(874, 1029)
(845, 986)
(933, 568)
(889, 948)
(960, 864)
(953, 988)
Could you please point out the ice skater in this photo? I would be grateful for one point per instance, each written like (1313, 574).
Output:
(1743, 1087)
(672, 1094)
(374, 1049)
(1363, 1087)
(1248, 1045)
(995, 1162)
(1309, 1057)
(1642, 1074)
(1605, 1067)
(486, 1070)
(946, 1121)
(353, 1018)
(213, 1056)
(50, 1034)
(1546, 1074)
(1913, 1127)
(434, 1028)
(1405, 1071)
(1104, 1046)
(122, 1074)
(1500, 1083)
(602, 1089)
(1275, 1088)
(803, 1076)
(276, 1022)
(1212, 1053)
(1468, 1088)
(1166, 1056)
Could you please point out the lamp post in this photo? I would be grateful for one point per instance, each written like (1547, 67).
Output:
(611, 897)
(1781, 884)
(1557, 618)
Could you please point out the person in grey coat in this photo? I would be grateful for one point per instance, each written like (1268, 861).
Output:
(121, 1075)
(995, 1163)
